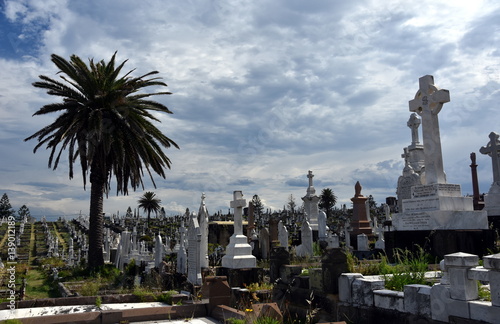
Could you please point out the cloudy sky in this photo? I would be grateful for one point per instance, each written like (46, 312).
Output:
(263, 91)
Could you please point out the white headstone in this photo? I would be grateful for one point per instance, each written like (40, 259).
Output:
(159, 251)
(238, 252)
(322, 227)
(203, 222)
(305, 249)
(333, 241)
(311, 201)
(363, 242)
(492, 199)
(182, 254)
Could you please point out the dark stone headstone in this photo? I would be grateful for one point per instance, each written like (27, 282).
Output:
(333, 263)
(279, 257)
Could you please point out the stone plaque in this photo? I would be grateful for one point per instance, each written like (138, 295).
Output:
(415, 222)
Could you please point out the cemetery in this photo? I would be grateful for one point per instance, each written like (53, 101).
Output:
(428, 255)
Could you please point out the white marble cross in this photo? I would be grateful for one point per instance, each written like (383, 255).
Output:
(238, 203)
(428, 103)
(414, 123)
(493, 149)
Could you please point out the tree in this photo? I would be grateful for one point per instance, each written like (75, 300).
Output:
(149, 203)
(24, 211)
(327, 201)
(258, 207)
(5, 207)
(107, 125)
(291, 203)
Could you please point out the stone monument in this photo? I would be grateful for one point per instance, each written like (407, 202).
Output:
(492, 199)
(194, 251)
(435, 204)
(477, 199)
(415, 152)
(360, 221)
(311, 201)
(238, 252)
(436, 215)
(203, 222)
(407, 180)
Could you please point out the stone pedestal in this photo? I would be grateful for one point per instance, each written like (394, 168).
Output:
(439, 206)
(492, 200)
(238, 252)
(360, 222)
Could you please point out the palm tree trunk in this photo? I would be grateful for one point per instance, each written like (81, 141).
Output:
(96, 258)
(149, 214)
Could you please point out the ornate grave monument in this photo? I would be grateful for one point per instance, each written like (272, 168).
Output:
(436, 205)
(311, 201)
(238, 252)
(492, 199)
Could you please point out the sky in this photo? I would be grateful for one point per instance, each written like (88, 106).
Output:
(263, 91)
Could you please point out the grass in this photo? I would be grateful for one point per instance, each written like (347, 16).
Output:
(410, 268)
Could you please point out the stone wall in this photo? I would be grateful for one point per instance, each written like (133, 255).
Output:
(453, 300)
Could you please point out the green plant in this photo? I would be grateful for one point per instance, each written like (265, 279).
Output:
(166, 297)
(98, 301)
(90, 288)
(12, 321)
(233, 320)
(410, 269)
(483, 292)
(143, 294)
(267, 320)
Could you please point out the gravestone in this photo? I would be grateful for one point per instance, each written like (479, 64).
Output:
(322, 227)
(238, 252)
(305, 249)
(436, 215)
(362, 240)
(492, 199)
(406, 181)
(264, 243)
(311, 201)
(416, 156)
(360, 221)
(194, 251)
(122, 253)
(436, 204)
(203, 222)
(282, 234)
(159, 251)
(181, 253)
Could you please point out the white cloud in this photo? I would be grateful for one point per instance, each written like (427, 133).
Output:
(263, 91)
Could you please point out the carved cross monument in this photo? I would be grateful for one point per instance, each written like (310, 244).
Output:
(238, 203)
(493, 149)
(414, 123)
(428, 103)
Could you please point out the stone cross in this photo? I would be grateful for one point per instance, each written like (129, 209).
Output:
(414, 123)
(428, 103)
(406, 156)
(493, 149)
(310, 190)
(238, 203)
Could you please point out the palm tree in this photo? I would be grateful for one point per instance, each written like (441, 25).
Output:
(149, 203)
(107, 125)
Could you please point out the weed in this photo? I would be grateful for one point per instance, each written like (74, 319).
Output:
(98, 301)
